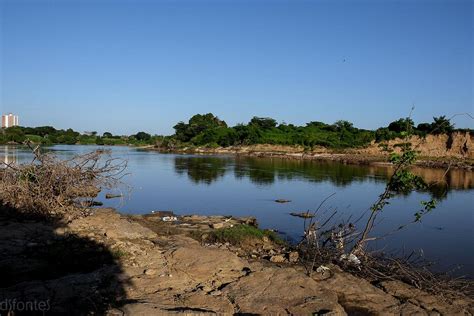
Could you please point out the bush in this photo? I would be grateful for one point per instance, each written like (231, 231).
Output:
(241, 233)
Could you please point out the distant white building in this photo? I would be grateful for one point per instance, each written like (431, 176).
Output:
(9, 120)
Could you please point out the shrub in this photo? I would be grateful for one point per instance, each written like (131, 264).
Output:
(240, 233)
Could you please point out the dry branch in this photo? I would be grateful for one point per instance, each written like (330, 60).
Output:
(51, 187)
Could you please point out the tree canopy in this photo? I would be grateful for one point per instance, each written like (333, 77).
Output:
(209, 130)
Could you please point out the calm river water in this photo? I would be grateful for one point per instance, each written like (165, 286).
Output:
(244, 186)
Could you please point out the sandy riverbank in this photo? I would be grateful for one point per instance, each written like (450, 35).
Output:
(440, 151)
(349, 156)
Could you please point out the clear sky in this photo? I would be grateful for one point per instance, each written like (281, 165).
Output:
(125, 66)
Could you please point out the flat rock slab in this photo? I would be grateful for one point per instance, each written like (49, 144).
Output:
(153, 274)
(280, 291)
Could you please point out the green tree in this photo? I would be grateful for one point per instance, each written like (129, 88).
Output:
(424, 128)
(441, 125)
(383, 134)
(316, 124)
(15, 134)
(142, 136)
(196, 125)
(342, 125)
(263, 122)
(402, 125)
(43, 131)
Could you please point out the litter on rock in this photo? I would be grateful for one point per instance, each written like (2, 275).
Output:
(169, 219)
(351, 258)
(322, 269)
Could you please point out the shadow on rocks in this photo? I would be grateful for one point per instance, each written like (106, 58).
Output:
(45, 270)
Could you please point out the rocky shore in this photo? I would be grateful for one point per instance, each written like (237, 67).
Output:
(113, 264)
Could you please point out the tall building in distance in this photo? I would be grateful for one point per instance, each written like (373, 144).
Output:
(9, 120)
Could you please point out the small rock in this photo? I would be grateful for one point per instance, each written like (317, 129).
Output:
(112, 196)
(322, 269)
(277, 259)
(60, 231)
(217, 225)
(149, 272)
(293, 256)
(110, 234)
(252, 221)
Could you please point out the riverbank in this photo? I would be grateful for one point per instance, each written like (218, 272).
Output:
(455, 150)
(113, 264)
(362, 156)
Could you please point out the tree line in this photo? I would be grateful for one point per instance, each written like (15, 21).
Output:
(209, 130)
(48, 135)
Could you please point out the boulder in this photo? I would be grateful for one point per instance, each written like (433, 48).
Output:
(278, 259)
(293, 256)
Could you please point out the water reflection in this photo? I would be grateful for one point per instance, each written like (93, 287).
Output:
(9, 155)
(201, 169)
(246, 186)
(266, 171)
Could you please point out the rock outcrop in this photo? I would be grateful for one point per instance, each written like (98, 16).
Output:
(155, 271)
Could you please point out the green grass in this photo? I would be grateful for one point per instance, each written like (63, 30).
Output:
(118, 253)
(240, 233)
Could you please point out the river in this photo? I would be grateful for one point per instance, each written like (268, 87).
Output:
(245, 186)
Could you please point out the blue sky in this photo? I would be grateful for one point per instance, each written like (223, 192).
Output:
(125, 66)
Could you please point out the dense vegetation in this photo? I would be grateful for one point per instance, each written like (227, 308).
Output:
(209, 130)
(398, 128)
(49, 135)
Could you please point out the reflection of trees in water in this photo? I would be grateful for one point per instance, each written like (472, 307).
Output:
(257, 173)
(264, 171)
(201, 169)
(440, 181)
(337, 173)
